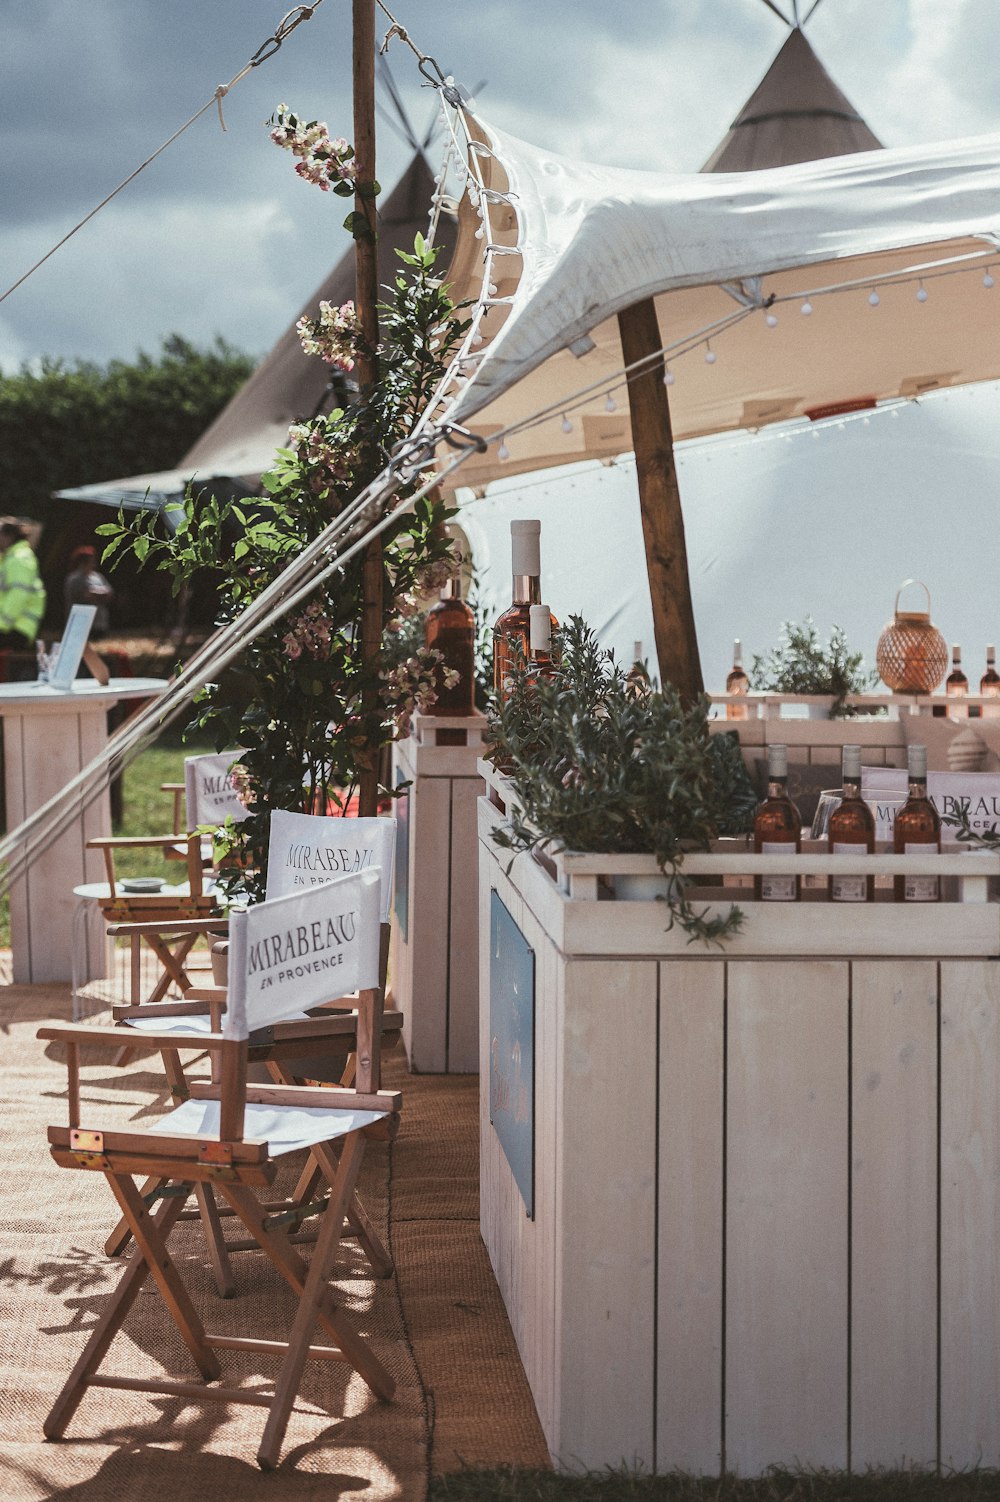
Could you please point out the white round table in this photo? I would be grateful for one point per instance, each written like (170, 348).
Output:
(49, 735)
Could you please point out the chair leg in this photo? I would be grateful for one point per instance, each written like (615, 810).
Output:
(356, 1215)
(315, 1301)
(122, 1235)
(108, 1325)
(150, 1242)
(215, 1240)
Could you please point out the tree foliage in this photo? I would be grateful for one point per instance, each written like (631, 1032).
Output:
(65, 424)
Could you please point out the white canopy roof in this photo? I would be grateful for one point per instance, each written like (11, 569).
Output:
(576, 243)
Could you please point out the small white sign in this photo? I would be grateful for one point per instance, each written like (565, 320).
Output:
(292, 953)
(305, 850)
(884, 789)
(74, 640)
(208, 789)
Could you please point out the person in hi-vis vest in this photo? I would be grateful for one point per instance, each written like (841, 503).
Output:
(22, 595)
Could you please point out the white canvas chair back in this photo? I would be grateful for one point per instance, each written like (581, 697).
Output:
(306, 850)
(290, 953)
(209, 797)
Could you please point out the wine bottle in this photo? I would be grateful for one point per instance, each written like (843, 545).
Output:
(637, 678)
(510, 634)
(450, 628)
(851, 829)
(737, 683)
(917, 830)
(957, 687)
(989, 684)
(777, 829)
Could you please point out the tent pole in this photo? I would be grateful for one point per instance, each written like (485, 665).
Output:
(366, 303)
(660, 504)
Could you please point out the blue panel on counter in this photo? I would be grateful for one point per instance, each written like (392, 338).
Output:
(512, 1047)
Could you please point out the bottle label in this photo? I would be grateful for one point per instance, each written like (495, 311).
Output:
(777, 888)
(848, 888)
(921, 888)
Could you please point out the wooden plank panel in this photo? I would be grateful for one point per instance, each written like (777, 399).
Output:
(970, 1214)
(608, 1195)
(689, 1258)
(463, 975)
(894, 1214)
(786, 1215)
(425, 1026)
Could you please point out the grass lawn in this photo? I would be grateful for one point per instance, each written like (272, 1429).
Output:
(776, 1486)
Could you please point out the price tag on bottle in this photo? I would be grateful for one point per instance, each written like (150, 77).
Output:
(777, 888)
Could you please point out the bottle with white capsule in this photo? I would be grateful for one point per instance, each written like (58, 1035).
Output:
(777, 830)
(511, 632)
(957, 688)
(917, 830)
(989, 686)
(737, 683)
(851, 829)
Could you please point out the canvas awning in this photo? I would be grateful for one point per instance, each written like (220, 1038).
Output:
(578, 243)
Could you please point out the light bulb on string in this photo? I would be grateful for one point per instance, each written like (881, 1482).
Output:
(989, 280)
(503, 452)
(710, 355)
(566, 425)
(609, 404)
(771, 319)
(921, 293)
(668, 377)
(873, 299)
(806, 308)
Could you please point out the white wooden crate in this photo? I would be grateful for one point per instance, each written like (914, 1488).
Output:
(765, 1178)
(434, 971)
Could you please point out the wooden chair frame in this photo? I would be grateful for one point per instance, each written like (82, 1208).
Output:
(232, 1165)
(332, 1032)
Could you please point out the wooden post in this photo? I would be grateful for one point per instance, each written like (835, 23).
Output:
(366, 303)
(660, 505)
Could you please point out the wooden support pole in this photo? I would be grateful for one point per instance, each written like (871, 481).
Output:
(366, 303)
(660, 505)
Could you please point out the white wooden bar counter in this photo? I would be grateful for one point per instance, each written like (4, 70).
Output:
(48, 736)
(766, 1179)
(435, 964)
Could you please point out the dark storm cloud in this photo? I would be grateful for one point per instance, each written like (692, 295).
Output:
(218, 236)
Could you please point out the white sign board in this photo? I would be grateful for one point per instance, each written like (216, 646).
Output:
(292, 953)
(305, 850)
(208, 789)
(74, 640)
(978, 792)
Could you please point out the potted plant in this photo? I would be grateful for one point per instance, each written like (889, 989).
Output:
(801, 664)
(597, 766)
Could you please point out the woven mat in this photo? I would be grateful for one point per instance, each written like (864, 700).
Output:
(440, 1327)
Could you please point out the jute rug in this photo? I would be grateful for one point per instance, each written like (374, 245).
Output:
(439, 1326)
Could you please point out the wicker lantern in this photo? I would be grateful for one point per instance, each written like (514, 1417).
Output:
(912, 655)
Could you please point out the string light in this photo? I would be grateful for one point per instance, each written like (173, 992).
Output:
(806, 308)
(503, 452)
(668, 377)
(566, 425)
(609, 405)
(771, 319)
(710, 355)
(921, 293)
(873, 299)
(988, 280)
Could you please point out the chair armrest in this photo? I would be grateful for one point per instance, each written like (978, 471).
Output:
(113, 1038)
(179, 926)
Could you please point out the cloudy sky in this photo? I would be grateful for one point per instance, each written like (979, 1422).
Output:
(219, 237)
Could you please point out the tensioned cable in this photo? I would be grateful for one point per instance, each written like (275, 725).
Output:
(286, 26)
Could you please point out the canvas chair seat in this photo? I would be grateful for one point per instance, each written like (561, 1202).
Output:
(192, 1022)
(285, 1129)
